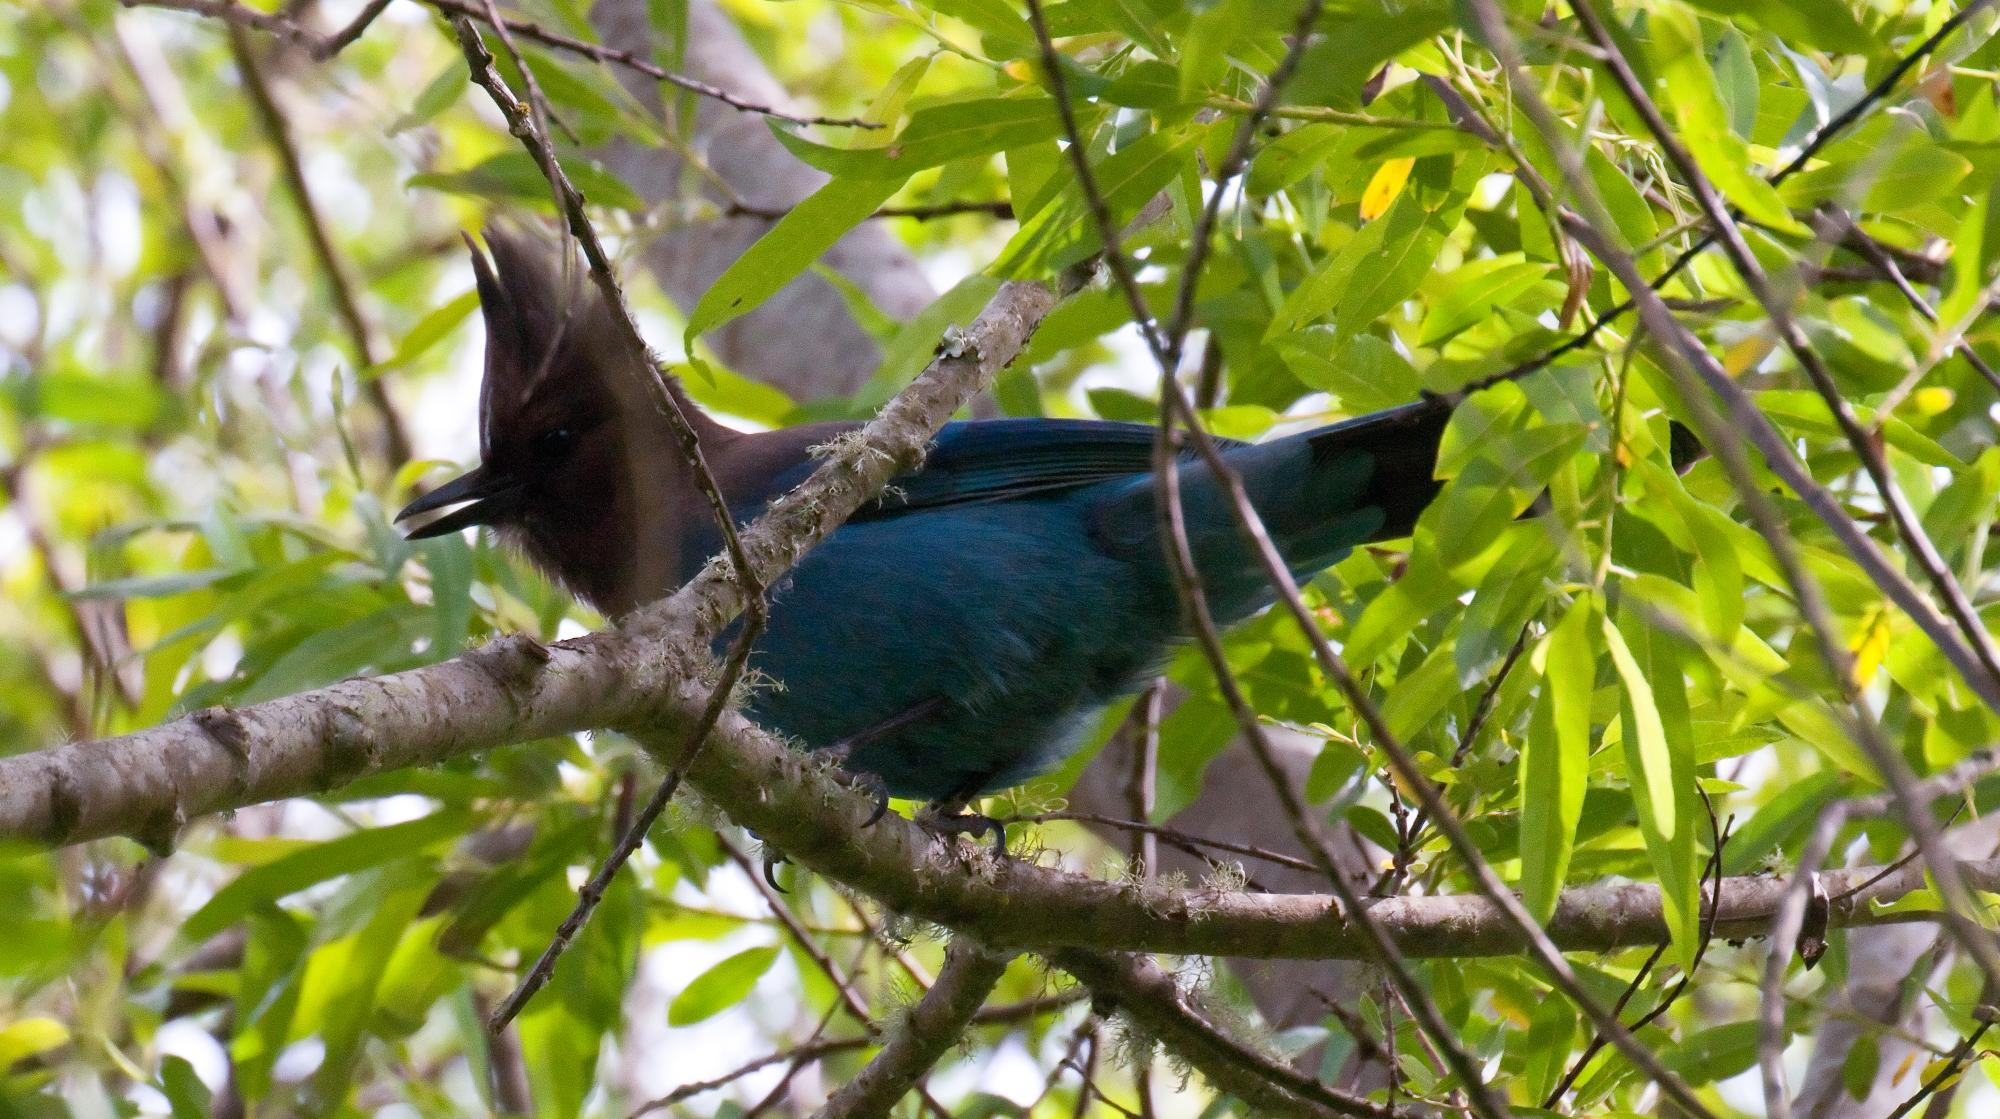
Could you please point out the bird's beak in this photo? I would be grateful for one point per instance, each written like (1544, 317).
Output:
(491, 495)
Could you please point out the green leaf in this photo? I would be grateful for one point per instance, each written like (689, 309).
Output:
(720, 987)
(1377, 269)
(1494, 488)
(1659, 759)
(1064, 231)
(29, 1037)
(935, 135)
(186, 1094)
(441, 94)
(288, 874)
(1555, 758)
(382, 640)
(1471, 291)
(1713, 1054)
(1826, 24)
(1783, 818)
(784, 251)
(1363, 372)
(429, 331)
(1682, 59)
(515, 177)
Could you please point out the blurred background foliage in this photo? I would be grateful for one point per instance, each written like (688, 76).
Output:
(236, 327)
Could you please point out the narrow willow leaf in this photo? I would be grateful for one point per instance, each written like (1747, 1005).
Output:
(429, 331)
(720, 987)
(288, 874)
(935, 135)
(1659, 759)
(786, 249)
(1555, 758)
(1682, 59)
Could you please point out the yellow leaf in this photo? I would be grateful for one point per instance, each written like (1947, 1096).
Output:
(1870, 647)
(1903, 1069)
(1933, 400)
(1384, 187)
(1019, 70)
(29, 1036)
(1745, 355)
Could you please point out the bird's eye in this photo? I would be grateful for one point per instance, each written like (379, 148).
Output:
(555, 442)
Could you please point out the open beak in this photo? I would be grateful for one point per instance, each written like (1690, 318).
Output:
(491, 497)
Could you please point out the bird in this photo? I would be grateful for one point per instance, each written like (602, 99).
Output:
(960, 634)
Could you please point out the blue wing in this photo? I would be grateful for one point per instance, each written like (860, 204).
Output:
(1000, 460)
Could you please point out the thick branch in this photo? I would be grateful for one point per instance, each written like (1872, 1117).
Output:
(1150, 999)
(924, 1035)
(148, 783)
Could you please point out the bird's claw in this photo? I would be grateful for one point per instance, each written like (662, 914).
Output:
(869, 783)
(772, 858)
(966, 823)
(878, 790)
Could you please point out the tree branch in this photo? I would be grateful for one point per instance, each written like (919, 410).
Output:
(924, 1035)
(1150, 998)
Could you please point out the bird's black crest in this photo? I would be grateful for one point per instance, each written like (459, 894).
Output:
(549, 337)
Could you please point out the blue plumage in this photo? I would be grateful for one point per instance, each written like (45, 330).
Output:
(1017, 585)
(958, 634)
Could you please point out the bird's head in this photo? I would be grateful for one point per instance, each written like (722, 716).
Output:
(574, 452)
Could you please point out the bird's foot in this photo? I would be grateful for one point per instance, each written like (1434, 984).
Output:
(877, 789)
(946, 821)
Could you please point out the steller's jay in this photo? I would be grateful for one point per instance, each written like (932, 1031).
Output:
(956, 636)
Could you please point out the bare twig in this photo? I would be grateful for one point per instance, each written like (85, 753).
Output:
(997, 208)
(1949, 1069)
(283, 27)
(342, 39)
(850, 999)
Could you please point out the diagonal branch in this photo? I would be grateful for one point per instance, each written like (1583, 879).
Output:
(924, 1035)
(1150, 998)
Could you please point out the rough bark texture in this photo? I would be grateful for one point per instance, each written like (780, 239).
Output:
(802, 340)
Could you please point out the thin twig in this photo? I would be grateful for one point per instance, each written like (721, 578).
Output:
(1136, 986)
(1950, 1068)
(361, 331)
(528, 29)
(998, 208)
(755, 614)
(1173, 836)
(850, 999)
(342, 39)
(237, 15)
(1482, 709)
